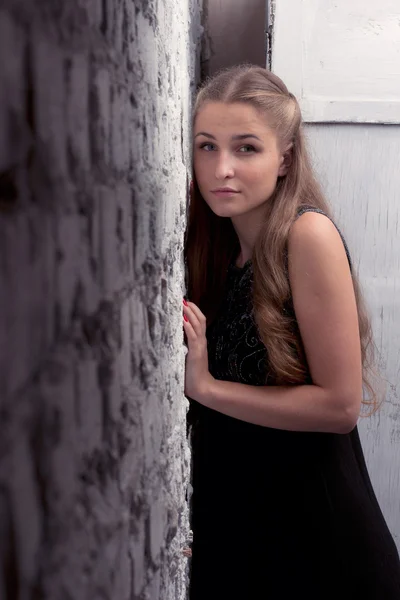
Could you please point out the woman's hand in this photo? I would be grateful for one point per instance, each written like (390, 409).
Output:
(198, 379)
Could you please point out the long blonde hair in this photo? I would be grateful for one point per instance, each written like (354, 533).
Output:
(211, 242)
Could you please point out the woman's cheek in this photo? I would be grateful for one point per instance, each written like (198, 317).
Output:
(199, 169)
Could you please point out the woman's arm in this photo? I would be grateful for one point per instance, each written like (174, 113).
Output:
(326, 312)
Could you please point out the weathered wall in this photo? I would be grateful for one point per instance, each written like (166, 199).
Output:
(94, 138)
(362, 185)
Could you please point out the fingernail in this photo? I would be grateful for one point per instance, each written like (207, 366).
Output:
(184, 302)
(185, 318)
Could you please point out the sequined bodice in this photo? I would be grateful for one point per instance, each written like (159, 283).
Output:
(235, 350)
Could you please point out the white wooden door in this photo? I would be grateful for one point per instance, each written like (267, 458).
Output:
(342, 60)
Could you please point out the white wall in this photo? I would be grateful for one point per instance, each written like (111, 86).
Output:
(341, 58)
(359, 168)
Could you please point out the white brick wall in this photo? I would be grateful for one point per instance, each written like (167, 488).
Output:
(95, 103)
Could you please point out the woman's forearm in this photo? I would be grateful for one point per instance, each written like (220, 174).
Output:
(294, 408)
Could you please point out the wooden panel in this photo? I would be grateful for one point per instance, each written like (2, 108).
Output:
(359, 168)
(341, 58)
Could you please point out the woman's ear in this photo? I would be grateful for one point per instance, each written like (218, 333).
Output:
(286, 161)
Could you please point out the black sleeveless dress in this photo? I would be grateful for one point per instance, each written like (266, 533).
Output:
(279, 515)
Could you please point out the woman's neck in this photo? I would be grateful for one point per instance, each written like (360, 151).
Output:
(247, 229)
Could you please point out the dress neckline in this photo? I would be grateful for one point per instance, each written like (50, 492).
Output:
(235, 269)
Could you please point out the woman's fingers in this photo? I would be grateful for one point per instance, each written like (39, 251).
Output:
(191, 335)
(189, 313)
(201, 318)
(195, 316)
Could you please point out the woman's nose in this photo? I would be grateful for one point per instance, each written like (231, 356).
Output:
(224, 167)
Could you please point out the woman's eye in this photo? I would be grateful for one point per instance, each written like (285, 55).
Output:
(207, 147)
(246, 149)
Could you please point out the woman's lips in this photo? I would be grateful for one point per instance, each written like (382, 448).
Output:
(224, 192)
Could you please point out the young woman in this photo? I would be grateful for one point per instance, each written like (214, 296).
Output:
(278, 349)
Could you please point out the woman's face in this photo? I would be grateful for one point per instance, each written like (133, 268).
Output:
(236, 158)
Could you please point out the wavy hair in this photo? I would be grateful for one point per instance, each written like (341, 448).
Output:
(211, 242)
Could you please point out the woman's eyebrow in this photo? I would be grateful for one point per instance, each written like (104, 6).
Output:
(205, 135)
(241, 136)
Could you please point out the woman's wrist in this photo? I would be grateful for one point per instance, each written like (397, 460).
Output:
(208, 391)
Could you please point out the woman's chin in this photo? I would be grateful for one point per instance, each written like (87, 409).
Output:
(224, 213)
(227, 211)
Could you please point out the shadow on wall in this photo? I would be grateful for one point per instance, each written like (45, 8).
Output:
(235, 33)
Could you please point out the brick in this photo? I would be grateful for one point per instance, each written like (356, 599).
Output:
(77, 109)
(100, 115)
(155, 586)
(26, 277)
(116, 233)
(157, 527)
(26, 513)
(57, 387)
(89, 409)
(115, 395)
(132, 463)
(14, 137)
(50, 104)
(119, 130)
(95, 13)
(122, 566)
(69, 256)
(137, 545)
(125, 354)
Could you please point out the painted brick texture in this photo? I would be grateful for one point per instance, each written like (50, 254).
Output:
(95, 101)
